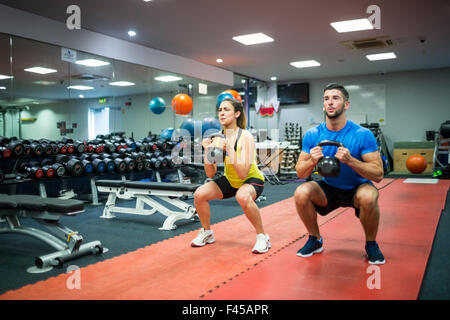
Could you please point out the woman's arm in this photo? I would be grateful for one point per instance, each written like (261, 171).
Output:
(243, 162)
(210, 168)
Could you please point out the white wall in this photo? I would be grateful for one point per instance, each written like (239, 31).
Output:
(416, 101)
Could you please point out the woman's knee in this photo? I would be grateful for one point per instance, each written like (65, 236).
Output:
(244, 198)
(201, 194)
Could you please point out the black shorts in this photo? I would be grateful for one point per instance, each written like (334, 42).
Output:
(228, 191)
(337, 198)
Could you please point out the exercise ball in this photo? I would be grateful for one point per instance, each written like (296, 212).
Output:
(222, 96)
(235, 94)
(416, 163)
(190, 124)
(210, 125)
(166, 134)
(157, 105)
(182, 104)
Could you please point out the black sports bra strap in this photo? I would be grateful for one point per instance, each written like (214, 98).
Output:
(237, 139)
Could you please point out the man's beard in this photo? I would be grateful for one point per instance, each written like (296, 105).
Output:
(336, 115)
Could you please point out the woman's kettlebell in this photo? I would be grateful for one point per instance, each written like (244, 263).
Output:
(215, 154)
(329, 166)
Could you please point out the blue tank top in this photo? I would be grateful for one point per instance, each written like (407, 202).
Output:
(357, 139)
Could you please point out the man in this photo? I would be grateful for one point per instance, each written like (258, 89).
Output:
(360, 164)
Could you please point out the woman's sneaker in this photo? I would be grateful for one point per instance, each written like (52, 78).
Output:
(203, 237)
(262, 244)
(311, 247)
(374, 254)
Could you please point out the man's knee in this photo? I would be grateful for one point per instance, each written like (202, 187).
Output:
(367, 197)
(303, 194)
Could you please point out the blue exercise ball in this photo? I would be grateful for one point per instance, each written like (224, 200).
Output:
(222, 96)
(157, 105)
(166, 134)
(190, 124)
(210, 125)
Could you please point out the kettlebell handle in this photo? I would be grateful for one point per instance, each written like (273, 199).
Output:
(330, 143)
(215, 135)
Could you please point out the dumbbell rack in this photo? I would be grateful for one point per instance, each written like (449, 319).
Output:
(293, 134)
(17, 160)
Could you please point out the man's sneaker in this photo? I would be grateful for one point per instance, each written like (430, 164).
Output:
(262, 244)
(203, 237)
(374, 254)
(312, 246)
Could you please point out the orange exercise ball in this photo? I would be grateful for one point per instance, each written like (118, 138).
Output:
(416, 163)
(235, 94)
(182, 104)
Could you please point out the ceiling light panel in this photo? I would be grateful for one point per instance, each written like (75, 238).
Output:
(92, 63)
(352, 25)
(40, 70)
(168, 78)
(305, 64)
(254, 38)
(381, 56)
(79, 87)
(3, 77)
(121, 83)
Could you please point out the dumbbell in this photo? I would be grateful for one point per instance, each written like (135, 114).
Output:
(154, 162)
(137, 156)
(142, 146)
(79, 147)
(329, 166)
(31, 171)
(105, 157)
(5, 152)
(73, 166)
(131, 144)
(88, 168)
(161, 145)
(109, 147)
(119, 165)
(98, 164)
(46, 147)
(12, 144)
(47, 170)
(58, 169)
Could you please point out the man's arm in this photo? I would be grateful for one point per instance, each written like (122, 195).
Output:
(307, 161)
(370, 168)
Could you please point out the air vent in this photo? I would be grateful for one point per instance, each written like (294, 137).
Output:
(89, 77)
(369, 44)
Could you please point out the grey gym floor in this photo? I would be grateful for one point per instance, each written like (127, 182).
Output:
(130, 232)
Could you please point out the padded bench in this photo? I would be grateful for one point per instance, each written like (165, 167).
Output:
(47, 211)
(145, 193)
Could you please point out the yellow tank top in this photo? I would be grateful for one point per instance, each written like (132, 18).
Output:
(231, 174)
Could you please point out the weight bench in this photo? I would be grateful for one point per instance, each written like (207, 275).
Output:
(143, 191)
(47, 211)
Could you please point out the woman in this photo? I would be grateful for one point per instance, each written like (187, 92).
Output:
(241, 178)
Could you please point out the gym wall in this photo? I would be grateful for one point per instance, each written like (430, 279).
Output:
(416, 101)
